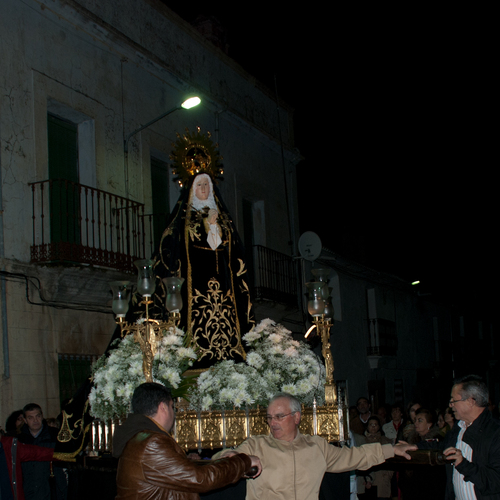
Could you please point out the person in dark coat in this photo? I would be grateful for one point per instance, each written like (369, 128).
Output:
(152, 465)
(12, 456)
(423, 481)
(472, 446)
(36, 475)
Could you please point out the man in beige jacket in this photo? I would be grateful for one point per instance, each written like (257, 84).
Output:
(293, 464)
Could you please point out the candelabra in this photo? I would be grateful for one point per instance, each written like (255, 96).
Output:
(320, 308)
(147, 331)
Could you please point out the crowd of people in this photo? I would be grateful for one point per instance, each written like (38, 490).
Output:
(429, 428)
(285, 463)
(26, 454)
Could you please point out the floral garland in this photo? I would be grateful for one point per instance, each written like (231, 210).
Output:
(275, 363)
(115, 377)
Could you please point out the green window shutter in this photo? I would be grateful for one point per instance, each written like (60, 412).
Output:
(161, 202)
(63, 172)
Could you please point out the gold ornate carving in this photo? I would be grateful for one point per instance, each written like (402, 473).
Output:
(187, 430)
(327, 427)
(230, 428)
(323, 325)
(257, 422)
(236, 429)
(211, 429)
(195, 153)
(307, 422)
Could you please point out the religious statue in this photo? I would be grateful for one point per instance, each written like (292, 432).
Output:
(201, 244)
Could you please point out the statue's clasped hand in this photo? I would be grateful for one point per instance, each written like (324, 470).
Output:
(212, 216)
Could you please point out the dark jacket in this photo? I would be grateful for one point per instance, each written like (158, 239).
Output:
(23, 453)
(153, 466)
(357, 426)
(423, 481)
(483, 436)
(36, 482)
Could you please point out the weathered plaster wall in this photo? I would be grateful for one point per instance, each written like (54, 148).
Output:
(114, 66)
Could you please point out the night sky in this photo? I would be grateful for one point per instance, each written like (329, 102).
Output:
(395, 119)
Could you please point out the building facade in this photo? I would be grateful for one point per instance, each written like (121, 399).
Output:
(79, 203)
(393, 344)
(82, 196)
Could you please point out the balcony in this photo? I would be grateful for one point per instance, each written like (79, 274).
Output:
(275, 276)
(73, 223)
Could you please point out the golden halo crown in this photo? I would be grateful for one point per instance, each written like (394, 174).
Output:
(195, 153)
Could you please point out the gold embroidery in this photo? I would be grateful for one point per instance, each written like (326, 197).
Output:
(192, 228)
(213, 323)
(242, 269)
(65, 433)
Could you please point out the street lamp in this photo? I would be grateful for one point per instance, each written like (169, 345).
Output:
(189, 103)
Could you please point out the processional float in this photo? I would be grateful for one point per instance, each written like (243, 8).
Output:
(201, 248)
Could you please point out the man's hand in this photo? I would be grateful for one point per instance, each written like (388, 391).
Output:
(255, 463)
(228, 453)
(453, 455)
(402, 448)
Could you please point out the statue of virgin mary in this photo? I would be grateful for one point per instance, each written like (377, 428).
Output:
(201, 244)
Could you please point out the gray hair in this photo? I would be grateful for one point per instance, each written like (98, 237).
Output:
(295, 406)
(473, 387)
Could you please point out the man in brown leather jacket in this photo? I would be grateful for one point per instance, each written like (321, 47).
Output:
(152, 464)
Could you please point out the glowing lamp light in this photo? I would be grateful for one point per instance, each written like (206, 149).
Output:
(191, 102)
(309, 331)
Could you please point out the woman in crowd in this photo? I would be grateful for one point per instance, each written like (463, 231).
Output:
(423, 481)
(449, 417)
(391, 429)
(443, 426)
(405, 432)
(14, 423)
(374, 483)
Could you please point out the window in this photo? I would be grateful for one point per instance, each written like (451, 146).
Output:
(382, 325)
(161, 202)
(63, 173)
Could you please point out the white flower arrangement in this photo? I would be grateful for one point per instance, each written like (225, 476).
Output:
(115, 377)
(274, 363)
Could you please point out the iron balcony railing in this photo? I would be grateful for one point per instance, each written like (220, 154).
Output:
(81, 224)
(275, 276)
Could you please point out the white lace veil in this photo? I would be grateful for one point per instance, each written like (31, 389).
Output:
(195, 202)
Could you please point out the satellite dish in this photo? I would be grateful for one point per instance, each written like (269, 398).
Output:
(310, 246)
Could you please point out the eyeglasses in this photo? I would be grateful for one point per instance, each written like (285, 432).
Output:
(278, 418)
(453, 401)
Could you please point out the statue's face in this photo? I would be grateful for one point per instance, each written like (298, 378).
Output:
(202, 188)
